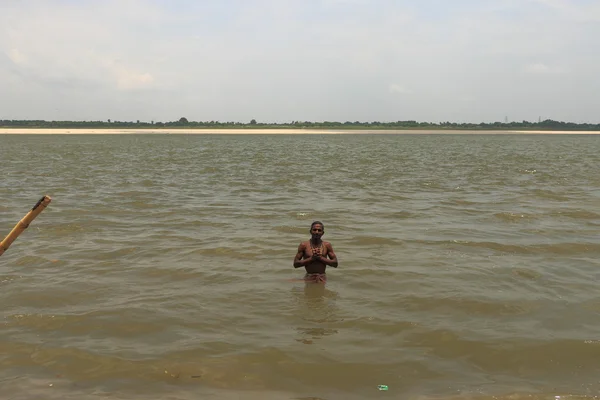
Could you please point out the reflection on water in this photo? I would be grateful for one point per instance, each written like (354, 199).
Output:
(316, 312)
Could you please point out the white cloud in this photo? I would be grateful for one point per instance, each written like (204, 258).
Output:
(395, 88)
(345, 2)
(16, 56)
(126, 78)
(570, 9)
(540, 69)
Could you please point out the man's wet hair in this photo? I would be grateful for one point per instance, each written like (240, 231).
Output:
(317, 223)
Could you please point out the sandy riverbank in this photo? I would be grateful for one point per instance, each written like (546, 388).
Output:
(23, 131)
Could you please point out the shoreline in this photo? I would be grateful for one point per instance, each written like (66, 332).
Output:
(102, 131)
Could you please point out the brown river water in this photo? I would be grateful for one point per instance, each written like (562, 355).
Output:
(162, 269)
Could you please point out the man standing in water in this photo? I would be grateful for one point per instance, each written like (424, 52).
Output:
(315, 255)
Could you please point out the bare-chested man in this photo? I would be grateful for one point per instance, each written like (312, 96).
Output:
(315, 255)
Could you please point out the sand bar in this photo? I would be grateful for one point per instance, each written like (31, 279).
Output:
(91, 131)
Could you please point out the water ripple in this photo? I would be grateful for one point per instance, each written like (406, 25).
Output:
(163, 267)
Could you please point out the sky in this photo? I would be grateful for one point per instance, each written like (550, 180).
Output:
(300, 60)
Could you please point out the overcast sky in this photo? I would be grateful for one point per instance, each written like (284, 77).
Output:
(308, 60)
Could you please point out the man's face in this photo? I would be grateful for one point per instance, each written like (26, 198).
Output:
(316, 231)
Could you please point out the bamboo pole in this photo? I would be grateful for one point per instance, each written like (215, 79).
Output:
(24, 223)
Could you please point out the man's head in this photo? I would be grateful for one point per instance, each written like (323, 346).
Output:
(317, 229)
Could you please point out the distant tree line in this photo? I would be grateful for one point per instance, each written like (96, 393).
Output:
(253, 124)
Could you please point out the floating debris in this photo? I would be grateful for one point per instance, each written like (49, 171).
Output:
(176, 376)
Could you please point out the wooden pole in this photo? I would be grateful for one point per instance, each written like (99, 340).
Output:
(24, 223)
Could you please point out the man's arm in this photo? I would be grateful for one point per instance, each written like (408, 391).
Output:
(332, 261)
(298, 261)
